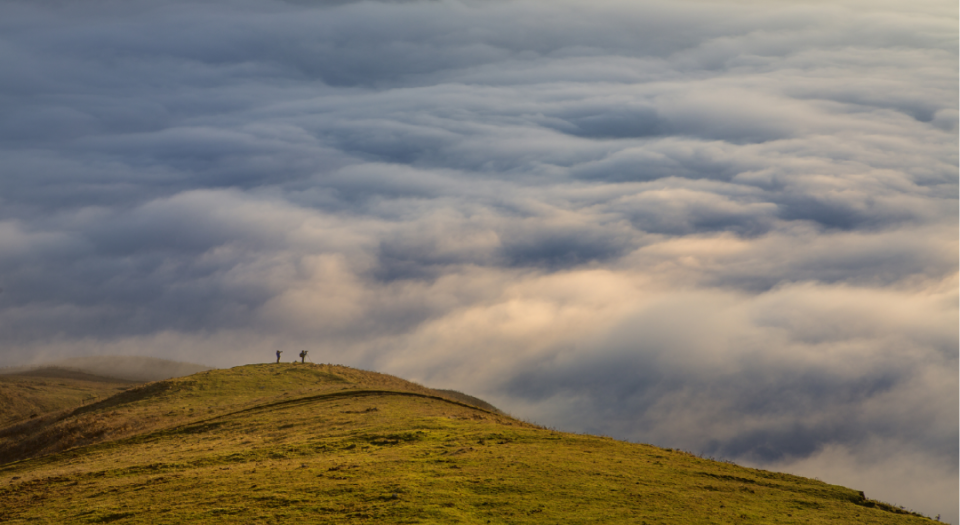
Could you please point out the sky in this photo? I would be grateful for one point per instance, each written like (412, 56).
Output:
(729, 227)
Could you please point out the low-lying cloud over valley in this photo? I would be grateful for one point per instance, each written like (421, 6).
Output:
(727, 227)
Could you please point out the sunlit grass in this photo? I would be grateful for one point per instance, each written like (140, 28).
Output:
(324, 444)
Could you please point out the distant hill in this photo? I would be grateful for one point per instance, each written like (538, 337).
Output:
(30, 393)
(288, 443)
(130, 368)
(127, 368)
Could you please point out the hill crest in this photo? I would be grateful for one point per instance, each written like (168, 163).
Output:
(203, 395)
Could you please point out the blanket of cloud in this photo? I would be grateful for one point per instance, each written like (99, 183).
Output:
(728, 227)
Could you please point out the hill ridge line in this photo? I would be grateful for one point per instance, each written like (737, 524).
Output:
(331, 395)
(286, 402)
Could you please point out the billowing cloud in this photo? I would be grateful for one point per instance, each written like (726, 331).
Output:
(727, 227)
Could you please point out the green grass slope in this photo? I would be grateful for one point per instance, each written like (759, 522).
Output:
(328, 444)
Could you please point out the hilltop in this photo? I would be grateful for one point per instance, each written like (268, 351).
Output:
(281, 443)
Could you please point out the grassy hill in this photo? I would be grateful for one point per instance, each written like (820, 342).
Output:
(29, 393)
(283, 443)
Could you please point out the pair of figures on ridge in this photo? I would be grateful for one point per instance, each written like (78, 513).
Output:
(303, 355)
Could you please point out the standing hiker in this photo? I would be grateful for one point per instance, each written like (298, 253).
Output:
(303, 356)
(278, 355)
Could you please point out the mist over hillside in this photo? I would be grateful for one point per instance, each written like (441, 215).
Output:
(128, 368)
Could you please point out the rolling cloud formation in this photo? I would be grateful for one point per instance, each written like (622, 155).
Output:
(727, 227)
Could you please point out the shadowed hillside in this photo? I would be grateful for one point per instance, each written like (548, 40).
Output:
(330, 444)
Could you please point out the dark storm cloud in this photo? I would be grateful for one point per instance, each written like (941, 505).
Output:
(728, 227)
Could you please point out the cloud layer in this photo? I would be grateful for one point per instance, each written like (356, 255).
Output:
(720, 226)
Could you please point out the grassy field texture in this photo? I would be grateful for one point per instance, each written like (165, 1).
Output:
(328, 444)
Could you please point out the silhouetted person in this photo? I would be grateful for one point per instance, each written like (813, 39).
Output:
(278, 355)
(303, 356)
